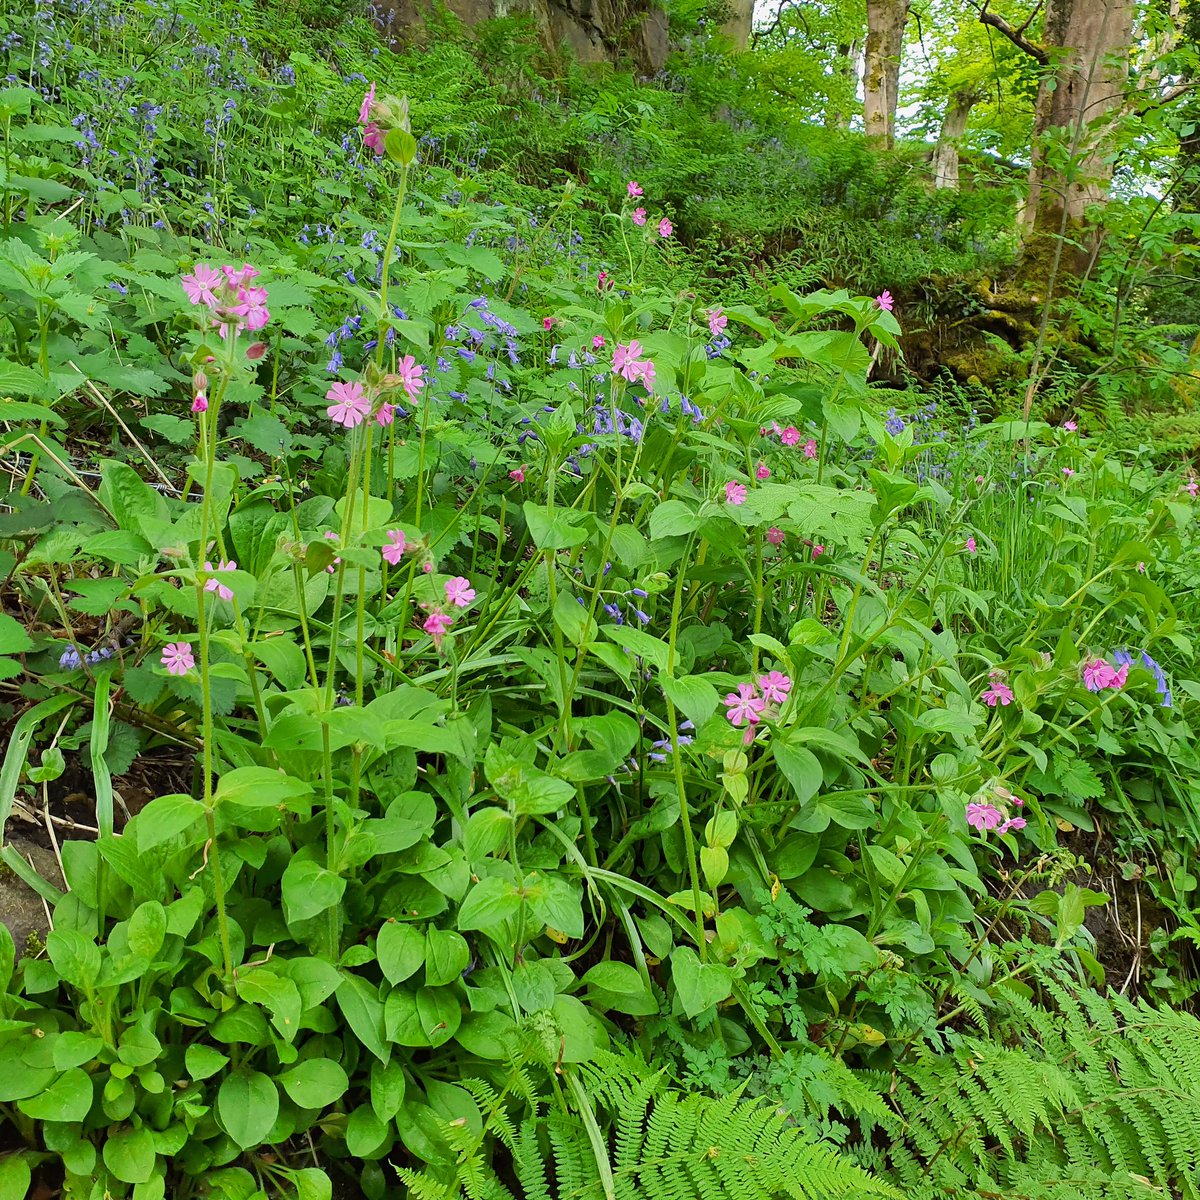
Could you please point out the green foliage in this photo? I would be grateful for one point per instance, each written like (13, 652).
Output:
(1086, 1096)
(661, 1144)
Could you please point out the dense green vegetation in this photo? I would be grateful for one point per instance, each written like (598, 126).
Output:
(583, 637)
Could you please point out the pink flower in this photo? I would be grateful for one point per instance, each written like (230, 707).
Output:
(459, 592)
(625, 360)
(775, 535)
(1192, 486)
(1099, 674)
(252, 307)
(330, 536)
(519, 474)
(437, 625)
(547, 323)
(350, 407)
(1012, 823)
(603, 281)
(979, 479)
(735, 493)
(983, 816)
(373, 139)
(884, 300)
(200, 404)
(644, 372)
(1018, 802)
(665, 228)
(997, 693)
(717, 321)
(238, 278)
(970, 545)
(412, 375)
(744, 705)
(598, 342)
(385, 414)
(790, 436)
(1070, 426)
(364, 113)
(634, 189)
(1141, 568)
(200, 284)
(177, 657)
(1067, 472)
(762, 471)
(638, 216)
(818, 549)
(393, 551)
(215, 585)
(775, 686)
(810, 448)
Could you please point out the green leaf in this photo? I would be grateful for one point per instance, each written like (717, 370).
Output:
(801, 767)
(446, 956)
(14, 1177)
(147, 929)
(259, 787)
(387, 1088)
(247, 1105)
(68, 1098)
(674, 519)
(491, 901)
(309, 889)
(130, 1155)
(552, 530)
(203, 1062)
(315, 1082)
(166, 818)
(693, 695)
(311, 1183)
(651, 650)
(76, 958)
(363, 1010)
(556, 903)
(400, 949)
(527, 789)
(13, 638)
(276, 993)
(699, 985)
(439, 1012)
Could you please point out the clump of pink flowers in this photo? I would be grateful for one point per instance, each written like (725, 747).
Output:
(985, 816)
(628, 365)
(228, 294)
(1099, 674)
(752, 701)
(997, 691)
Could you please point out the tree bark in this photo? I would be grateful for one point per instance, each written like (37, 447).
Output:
(954, 125)
(1087, 44)
(739, 23)
(886, 20)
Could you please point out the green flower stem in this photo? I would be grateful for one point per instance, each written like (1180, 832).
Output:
(685, 816)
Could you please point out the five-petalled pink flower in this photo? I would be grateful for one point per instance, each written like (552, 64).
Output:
(214, 584)
(459, 592)
(177, 657)
(350, 405)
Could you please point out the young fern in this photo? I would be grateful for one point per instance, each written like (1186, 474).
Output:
(662, 1145)
(1100, 1099)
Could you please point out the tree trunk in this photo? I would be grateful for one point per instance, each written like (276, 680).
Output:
(954, 125)
(886, 20)
(1088, 43)
(740, 22)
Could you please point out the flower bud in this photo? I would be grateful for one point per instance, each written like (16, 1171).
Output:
(199, 382)
(255, 352)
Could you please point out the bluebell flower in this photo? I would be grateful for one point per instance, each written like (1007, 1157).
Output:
(70, 659)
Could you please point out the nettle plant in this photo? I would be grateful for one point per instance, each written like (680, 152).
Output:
(514, 639)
